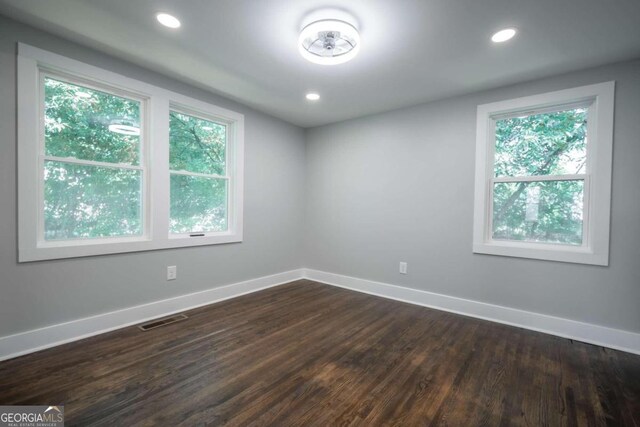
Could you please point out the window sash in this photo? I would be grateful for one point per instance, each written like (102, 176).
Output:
(229, 133)
(591, 130)
(228, 203)
(488, 232)
(44, 73)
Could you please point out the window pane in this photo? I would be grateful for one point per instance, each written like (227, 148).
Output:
(196, 145)
(88, 201)
(543, 211)
(90, 125)
(198, 204)
(542, 144)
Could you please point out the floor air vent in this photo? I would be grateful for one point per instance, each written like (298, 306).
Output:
(161, 322)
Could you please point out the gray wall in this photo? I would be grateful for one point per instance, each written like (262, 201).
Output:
(37, 294)
(382, 189)
(399, 186)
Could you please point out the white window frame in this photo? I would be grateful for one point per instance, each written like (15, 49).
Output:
(156, 102)
(599, 98)
(229, 160)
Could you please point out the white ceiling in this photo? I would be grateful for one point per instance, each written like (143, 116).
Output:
(413, 51)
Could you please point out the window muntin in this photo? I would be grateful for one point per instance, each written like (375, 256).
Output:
(93, 177)
(549, 145)
(199, 184)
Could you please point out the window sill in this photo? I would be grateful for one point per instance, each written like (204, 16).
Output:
(541, 251)
(75, 249)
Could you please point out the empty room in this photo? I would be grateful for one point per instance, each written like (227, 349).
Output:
(315, 213)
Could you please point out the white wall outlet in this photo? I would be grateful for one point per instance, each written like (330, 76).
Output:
(172, 272)
(403, 268)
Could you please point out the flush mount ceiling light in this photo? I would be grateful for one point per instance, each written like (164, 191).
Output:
(168, 20)
(312, 96)
(124, 127)
(329, 42)
(503, 35)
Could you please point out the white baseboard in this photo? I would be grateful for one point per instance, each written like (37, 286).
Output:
(38, 339)
(579, 331)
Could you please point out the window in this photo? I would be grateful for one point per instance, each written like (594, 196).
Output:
(197, 159)
(109, 164)
(543, 176)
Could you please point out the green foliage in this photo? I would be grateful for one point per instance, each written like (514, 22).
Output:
(196, 145)
(90, 201)
(547, 211)
(86, 201)
(77, 123)
(536, 145)
(542, 144)
(197, 203)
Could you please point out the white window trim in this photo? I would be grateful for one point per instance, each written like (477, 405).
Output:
(597, 188)
(154, 159)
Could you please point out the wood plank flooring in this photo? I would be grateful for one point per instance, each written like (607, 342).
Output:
(308, 354)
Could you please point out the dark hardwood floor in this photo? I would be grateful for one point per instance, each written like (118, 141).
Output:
(311, 354)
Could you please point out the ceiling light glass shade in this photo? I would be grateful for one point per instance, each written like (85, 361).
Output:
(124, 127)
(312, 96)
(329, 42)
(503, 35)
(168, 20)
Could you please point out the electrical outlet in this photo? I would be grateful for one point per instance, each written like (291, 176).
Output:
(172, 272)
(403, 268)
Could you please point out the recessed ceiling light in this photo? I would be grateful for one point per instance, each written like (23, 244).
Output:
(329, 42)
(168, 20)
(503, 35)
(312, 96)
